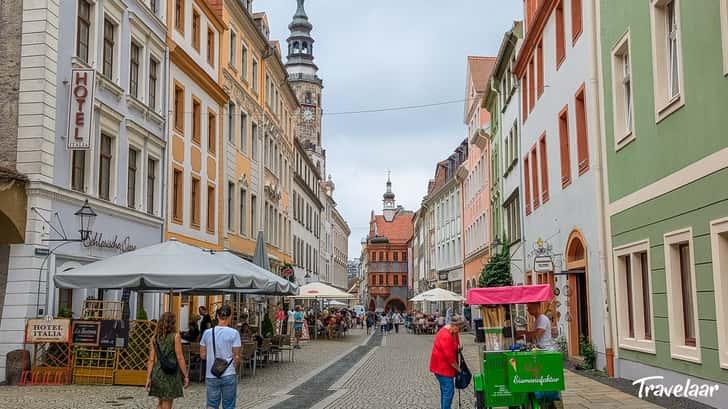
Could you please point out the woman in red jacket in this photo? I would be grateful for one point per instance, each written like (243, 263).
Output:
(443, 360)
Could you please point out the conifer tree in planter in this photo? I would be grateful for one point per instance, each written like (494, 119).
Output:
(497, 273)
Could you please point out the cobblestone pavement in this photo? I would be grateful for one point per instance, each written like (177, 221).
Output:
(396, 375)
(258, 391)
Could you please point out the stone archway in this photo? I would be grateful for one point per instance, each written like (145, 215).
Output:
(578, 293)
(395, 304)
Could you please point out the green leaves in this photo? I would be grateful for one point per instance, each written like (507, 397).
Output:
(497, 273)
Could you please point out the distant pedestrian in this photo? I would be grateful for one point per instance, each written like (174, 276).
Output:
(221, 343)
(448, 315)
(297, 326)
(443, 360)
(397, 320)
(370, 321)
(166, 363)
(205, 320)
(383, 324)
(279, 316)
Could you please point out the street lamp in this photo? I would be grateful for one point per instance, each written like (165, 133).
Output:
(86, 216)
(496, 245)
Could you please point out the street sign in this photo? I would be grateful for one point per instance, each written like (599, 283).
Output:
(543, 264)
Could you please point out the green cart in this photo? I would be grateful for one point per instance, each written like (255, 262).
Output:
(528, 379)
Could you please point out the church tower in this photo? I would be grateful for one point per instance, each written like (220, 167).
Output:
(302, 75)
(389, 208)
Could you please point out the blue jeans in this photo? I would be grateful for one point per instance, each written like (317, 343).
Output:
(447, 391)
(222, 389)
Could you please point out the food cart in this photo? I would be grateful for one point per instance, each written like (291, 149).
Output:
(515, 375)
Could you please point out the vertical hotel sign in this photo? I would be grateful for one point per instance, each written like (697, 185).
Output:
(81, 108)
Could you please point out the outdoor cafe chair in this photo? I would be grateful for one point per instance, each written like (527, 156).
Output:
(248, 356)
(264, 351)
(285, 345)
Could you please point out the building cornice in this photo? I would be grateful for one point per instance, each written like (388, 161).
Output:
(179, 57)
(533, 35)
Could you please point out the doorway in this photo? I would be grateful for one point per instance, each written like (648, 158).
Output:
(577, 294)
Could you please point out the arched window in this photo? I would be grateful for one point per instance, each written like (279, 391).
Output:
(296, 47)
(305, 47)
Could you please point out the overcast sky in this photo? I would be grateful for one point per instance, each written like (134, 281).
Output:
(390, 53)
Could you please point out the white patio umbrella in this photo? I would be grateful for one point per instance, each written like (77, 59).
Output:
(175, 266)
(437, 295)
(322, 291)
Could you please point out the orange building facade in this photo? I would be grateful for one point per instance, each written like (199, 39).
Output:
(475, 174)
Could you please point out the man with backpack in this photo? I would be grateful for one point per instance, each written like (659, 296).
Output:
(220, 349)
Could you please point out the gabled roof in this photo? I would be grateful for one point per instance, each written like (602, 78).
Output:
(399, 230)
(479, 69)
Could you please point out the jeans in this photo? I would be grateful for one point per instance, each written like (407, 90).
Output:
(447, 391)
(221, 389)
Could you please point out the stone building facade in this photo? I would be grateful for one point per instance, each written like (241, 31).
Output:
(307, 212)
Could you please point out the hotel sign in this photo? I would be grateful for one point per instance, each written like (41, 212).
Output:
(44, 330)
(80, 109)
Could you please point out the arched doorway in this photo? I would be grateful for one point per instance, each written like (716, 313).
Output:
(372, 306)
(395, 304)
(577, 294)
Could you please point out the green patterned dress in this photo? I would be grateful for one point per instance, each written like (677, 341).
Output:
(166, 386)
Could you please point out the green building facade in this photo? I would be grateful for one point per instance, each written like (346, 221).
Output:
(664, 80)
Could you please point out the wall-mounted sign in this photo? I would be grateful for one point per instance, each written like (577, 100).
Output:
(543, 264)
(80, 109)
(86, 333)
(97, 240)
(442, 275)
(114, 334)
(45, 330)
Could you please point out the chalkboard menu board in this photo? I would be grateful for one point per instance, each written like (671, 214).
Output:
(85, 333)
(114, 333)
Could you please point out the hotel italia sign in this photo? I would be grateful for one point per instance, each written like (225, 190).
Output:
(80, 109)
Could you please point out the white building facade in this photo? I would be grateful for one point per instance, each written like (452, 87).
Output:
(307, 209)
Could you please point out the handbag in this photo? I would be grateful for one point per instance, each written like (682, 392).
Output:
(219, 366)
(169, 366)
(462, 378)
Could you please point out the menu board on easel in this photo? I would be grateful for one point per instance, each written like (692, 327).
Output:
(86, 333)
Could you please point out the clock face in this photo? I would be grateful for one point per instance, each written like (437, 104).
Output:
(307, 115)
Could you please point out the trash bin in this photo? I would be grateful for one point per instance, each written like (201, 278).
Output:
(479, 334)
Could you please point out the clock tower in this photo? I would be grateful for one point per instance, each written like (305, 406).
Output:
(302, 75)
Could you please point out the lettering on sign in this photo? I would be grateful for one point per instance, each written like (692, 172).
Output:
(543, 264)
(42, 330)
(97, 240)
(86, 333)
(80, 109)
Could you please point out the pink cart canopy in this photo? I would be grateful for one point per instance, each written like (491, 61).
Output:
(520, 294)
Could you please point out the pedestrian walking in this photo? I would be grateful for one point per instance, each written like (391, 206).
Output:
(166, 363)
(383, 324)
(220, 349)
(443, 359)
(370, 321)
(279, 316)
(297, 326)
(397, 321)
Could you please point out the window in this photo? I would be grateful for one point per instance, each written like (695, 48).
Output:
(196, 119)
(195, 30)
(534, 179)
(151, 184)
(83, 29)
(513, 218)
(582, 144)
(254, 141)
(544, 169)
(634, 310)
(108, 67)
(233, 48)
(243, 132)
(244, 61)
(78, 170)
(681, 296)
(396, 279)
(622, 93)
(154, 6)
(531, 86)
(230, 205)
(210, 47)
(576, 20)
(666, 57)
(539, 62)
(527, 183)
(724, 31)
(564, 146)
(177, 196)
(131, 176)
(253, 220)
(134, 70)
(231, 121)
(179, 16)
(179, 108)
(243, 212)
(211, 131)
(195, 202)
(719, 248)
(255, 75)
(153, 67)
(560, 35)
(524, 97)
(105, 156)
(395, 256)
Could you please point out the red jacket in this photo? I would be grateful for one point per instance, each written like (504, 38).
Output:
(444, 353)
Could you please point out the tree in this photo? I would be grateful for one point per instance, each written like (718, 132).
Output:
(497, 273)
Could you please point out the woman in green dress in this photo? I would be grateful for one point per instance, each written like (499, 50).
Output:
(166, 387)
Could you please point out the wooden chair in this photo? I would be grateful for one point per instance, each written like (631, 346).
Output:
(285, 345)
(248, 356)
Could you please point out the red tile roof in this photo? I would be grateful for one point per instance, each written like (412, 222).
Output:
(399, 230)
(480, 69)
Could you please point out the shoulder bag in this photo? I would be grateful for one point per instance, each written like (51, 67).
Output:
(168, 365)
(462, 378)
(219, 366)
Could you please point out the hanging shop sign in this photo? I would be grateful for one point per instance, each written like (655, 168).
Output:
(442, 275)
(80, 109)
(86, 333)
(543, 264)
(47, 330)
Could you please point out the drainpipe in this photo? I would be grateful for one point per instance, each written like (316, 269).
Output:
(601, 180)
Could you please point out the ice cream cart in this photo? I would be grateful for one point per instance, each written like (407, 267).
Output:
(517, 375)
